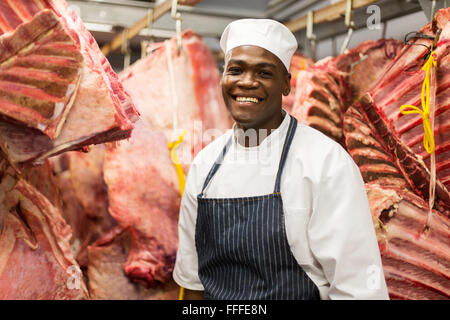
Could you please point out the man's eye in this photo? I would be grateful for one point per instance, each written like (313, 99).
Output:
(265, 73)
(234, 70)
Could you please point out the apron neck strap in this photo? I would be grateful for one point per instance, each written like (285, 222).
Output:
(217, 164)
(287, 144)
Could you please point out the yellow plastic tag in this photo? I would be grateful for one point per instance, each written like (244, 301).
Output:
(428, 138)
(181, 178)
(176, 162)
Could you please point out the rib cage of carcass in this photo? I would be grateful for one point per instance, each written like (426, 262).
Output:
(36, 261)
(355, 99)
(327, 88)
(402, 135)
(388, 148)
(57, 90)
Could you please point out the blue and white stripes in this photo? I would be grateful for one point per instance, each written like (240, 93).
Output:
(242, 248)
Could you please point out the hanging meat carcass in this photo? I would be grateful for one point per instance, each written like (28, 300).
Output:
(413, 242)
(99, 247)
(319, 101)
(401, 136)
(79, 179)
(298, 62)
(416, 264)
(41, 67)
(144, 197)
(326, 89)
(35, 257)
(415, 259)
(55, 84)
(107, 280)
(143, 186)
(186, 95)
(57, 93)
(365, 64)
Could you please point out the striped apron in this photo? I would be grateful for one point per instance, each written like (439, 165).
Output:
(243, 252)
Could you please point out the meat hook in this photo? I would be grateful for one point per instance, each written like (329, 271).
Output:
(310, 34)
(126, 49)
(145, 45)
(177, 17)
(349, 24)
(419, 35)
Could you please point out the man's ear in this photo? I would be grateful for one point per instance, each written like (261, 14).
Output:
(287, 84)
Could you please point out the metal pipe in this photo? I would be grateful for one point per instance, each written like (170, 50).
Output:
(349, 24)
(433, 7)
(310, 34)
(333, 47)
(347, 40)
(293, 8)
(125, 49)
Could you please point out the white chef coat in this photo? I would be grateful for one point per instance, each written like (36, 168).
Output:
(327, 218)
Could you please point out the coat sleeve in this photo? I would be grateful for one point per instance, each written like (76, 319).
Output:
(341, 234)
(185, 272)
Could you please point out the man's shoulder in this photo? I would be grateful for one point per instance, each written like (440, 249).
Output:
(316, 140)
(314, 145)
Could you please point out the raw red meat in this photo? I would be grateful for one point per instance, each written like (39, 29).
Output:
(374, 161)
(144, 198)
(400, 136)
(326, 89)
(143, 187)
(365, 64)
(415, 259)
(35, 257)
(40, 69)
(298, 62)
(86, 174)
(102, 111)
(79, 179)
(42, 178)
(99, 248)
(416, 263)
(107, 279)
(185, 94)
(319, 101)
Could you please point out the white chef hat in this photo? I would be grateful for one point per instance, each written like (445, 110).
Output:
(265, 33)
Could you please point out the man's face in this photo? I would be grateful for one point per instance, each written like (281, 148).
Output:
(253, 83)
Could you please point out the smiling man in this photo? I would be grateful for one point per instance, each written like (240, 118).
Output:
(273, 209)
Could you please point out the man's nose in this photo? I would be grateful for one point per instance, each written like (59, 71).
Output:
(248, 80)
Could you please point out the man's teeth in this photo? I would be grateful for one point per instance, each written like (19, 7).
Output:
(247, 99)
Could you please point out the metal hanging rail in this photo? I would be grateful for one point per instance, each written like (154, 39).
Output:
(134, 30)
(157, 12)
(327, 14)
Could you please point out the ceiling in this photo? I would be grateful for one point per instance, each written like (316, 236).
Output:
(208, 18)
(105, 18)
